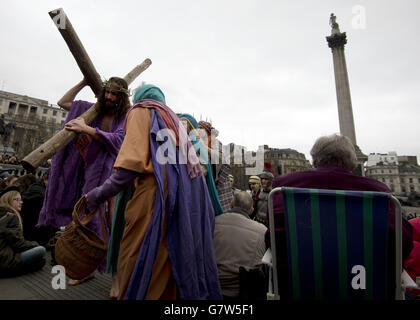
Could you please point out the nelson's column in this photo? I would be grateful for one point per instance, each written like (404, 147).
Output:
(336, 42)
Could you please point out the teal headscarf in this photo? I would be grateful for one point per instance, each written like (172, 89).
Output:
(190, 119)
(211, 186)
(149, 91)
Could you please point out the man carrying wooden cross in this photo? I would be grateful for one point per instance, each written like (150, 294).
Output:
(88, 160)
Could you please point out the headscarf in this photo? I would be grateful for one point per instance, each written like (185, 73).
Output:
(190, 119)
(150, 96)
(149, 91)
(211, 186)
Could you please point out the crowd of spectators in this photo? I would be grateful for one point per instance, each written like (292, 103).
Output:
(14, 159)
(9, 159)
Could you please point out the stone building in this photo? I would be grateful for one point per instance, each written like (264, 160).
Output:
(386, 173)
(409, 178)
(285, 160)
(282, 161)
(34, 121)
(400, 173)
(408, 159)
(238, 168)
(385, 158)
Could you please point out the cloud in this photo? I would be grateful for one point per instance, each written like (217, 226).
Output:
(261, 70)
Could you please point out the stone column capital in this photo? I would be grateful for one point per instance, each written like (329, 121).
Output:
(337, 40)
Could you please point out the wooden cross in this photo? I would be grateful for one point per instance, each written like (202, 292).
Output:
(64, 137)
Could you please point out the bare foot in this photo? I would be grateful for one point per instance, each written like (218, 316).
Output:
(113, 294)
(73, 282)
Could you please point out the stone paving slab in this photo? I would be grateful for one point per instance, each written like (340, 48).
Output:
(38, 286)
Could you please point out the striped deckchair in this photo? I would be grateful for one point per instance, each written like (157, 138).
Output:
(337, 243)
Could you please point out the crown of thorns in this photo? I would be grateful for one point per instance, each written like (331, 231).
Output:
(115, 87)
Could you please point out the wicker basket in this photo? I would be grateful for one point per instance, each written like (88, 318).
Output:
(79, 249)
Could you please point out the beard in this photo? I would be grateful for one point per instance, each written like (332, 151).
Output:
(109, 106)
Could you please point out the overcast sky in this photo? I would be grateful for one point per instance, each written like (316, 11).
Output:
(260, 70)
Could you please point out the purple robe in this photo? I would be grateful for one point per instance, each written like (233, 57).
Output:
(71, 176)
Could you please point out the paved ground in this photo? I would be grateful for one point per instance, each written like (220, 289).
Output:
(38, 286)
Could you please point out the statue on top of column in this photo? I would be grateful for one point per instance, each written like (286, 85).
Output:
(334, 25)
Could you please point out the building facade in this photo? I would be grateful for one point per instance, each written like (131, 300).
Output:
(386, 173)
(27, 122)
(282, 161)
(409, 178)
(400, 173)
(385, 158)
(285, 160)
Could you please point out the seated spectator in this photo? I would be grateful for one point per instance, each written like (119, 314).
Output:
(334, 158)
(33, 199)
(412, 263)
(238, 241)
(17, 255)
(8, 181)
(24, 182)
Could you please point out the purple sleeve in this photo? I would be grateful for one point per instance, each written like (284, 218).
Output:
(112, 140)
(114, 184)
(78, 107)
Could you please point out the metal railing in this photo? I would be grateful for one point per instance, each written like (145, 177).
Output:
(19, 171)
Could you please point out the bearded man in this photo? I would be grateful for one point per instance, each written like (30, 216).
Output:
(88, 160)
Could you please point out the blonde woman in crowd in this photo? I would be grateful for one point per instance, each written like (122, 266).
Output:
(17, 255)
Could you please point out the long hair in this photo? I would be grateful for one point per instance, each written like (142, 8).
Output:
(6, 201)
(123, 102)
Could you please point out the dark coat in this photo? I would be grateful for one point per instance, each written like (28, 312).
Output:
(12, 243)
(33, 199)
